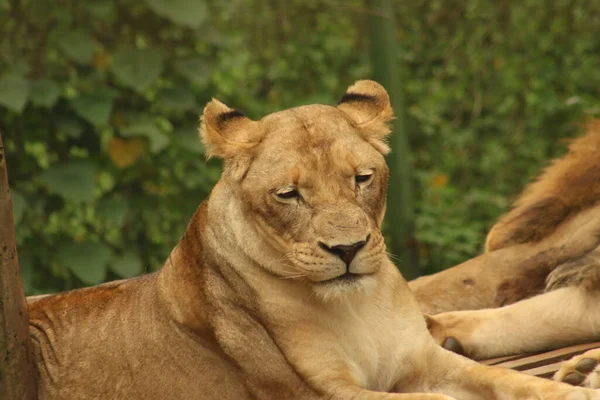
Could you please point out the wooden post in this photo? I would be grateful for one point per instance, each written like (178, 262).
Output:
(17, 378)
(400, 207)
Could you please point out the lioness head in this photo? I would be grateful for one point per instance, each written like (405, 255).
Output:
(311, 182)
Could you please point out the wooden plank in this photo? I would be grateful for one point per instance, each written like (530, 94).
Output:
(498, 360)
(17, 378)
(530, 360)
(541, 364)
(545, 371)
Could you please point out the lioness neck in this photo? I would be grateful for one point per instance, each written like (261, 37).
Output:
(220, 244)
(213, 259)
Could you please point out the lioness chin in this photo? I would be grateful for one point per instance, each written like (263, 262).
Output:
(280, 287)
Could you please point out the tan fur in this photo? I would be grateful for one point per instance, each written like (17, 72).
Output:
(583, 272)
(568, 186)
(255, 302)
(536, 238)
(505, 276)
(556, 223)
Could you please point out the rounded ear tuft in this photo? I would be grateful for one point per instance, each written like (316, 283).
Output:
(368, 106)
(217, 114)
(367, 92)
(227, 133)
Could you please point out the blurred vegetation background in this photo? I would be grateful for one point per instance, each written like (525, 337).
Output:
(99, 106)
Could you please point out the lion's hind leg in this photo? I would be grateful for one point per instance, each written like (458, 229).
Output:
(582, 370)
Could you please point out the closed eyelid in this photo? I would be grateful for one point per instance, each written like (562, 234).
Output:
(365, 171)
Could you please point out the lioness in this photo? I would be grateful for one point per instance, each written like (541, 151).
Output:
(279, 289)
(549, 243)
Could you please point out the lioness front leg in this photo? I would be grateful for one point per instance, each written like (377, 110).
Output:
(369, 395)
(336, 382)
(552, 319)
(355, 392)
(464, 379)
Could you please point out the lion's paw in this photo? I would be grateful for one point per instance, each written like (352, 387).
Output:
(582, 370)
(453, 332)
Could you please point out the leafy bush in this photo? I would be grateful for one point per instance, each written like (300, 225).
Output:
(493, 87)
(99, 106)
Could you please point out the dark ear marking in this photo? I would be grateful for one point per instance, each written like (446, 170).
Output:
(367, 105)
(350, 97)
(229, 115)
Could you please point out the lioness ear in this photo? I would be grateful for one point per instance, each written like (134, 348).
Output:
(368, 106)
(227, 133)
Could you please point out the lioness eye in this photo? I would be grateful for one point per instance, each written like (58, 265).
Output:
(286, 194)
(363, 177)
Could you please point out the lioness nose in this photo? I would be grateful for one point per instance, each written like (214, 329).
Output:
(345, 252)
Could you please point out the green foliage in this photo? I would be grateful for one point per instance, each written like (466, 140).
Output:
(128, 265)
(492, 87)
(189, 13)
(13, 92)
(74, 181)
(99, 106)
(137, 68)
(87, 260)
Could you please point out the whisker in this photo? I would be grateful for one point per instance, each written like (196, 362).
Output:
(297, 276)
(393, 257)
(286, 269)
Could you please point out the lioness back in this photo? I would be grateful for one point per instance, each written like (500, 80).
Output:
(112, 337)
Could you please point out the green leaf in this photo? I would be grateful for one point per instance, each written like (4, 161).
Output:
(70, 128)
(104, 9)
(177, 99)
(78, 46)
(195, 69)
(74, 181)
(19, 205)
(137, 68)
(113, 210)
(191, 13)
(188, 138)
(87, 260)
(158, 140)
(14, 90)
(44, 93)
(95, 107)
(127, 266)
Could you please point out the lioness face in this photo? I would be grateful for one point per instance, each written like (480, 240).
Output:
(314, 180)
(318, 189)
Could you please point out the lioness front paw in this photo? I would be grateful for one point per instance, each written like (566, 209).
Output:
(544, 389)
(582, 370)
(573, 394)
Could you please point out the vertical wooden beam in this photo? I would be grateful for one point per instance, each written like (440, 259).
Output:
(400, 209)
(17, 378)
